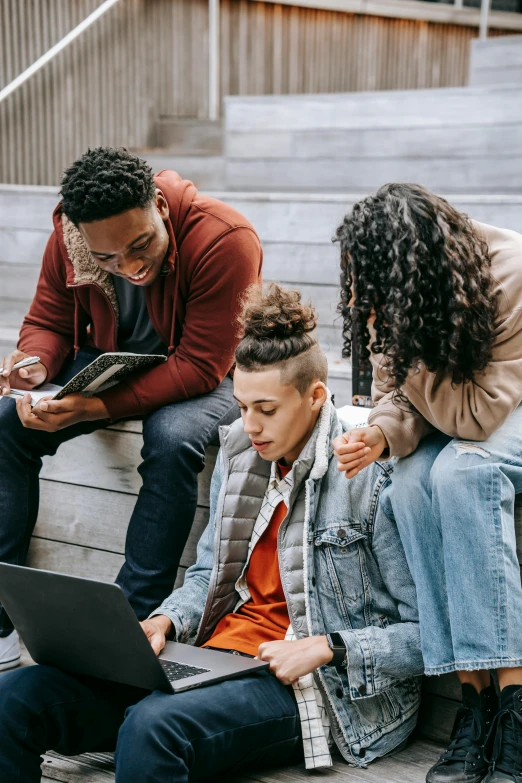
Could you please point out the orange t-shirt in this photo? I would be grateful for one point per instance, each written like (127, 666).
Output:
(265, 617)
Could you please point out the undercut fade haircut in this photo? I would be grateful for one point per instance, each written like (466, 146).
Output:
(104, 182)
(423, 268)
(277, 331)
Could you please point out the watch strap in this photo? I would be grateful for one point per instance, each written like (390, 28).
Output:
(338, 647)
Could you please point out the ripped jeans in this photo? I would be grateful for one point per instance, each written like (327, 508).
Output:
(453, 503)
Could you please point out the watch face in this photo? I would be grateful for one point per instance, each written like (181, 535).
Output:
(337, 646)
(335, 640)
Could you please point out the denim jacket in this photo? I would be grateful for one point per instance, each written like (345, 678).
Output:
(356, 582)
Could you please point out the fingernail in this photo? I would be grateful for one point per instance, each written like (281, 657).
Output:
(43, 406)
(367, 449)
(24, 373)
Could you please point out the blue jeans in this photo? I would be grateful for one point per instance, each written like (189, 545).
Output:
(453, 502)
(174, 441)
(232, 725)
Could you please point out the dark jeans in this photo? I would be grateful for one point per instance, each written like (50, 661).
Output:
(174, 441)
(251, 721)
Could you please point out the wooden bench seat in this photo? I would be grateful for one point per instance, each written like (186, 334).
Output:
(408, 766)
(87, 494)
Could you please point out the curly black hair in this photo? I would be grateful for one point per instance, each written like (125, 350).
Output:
(104, 182)
(416, 262)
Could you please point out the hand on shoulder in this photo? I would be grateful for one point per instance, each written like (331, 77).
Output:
(358, 448)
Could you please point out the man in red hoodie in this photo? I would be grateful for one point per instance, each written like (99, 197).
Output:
(147, 265)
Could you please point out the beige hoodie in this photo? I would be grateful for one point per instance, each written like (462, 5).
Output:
(474, 410)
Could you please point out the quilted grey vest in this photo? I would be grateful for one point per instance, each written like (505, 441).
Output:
(246, 477)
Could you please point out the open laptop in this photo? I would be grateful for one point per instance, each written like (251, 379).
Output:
(88, 627)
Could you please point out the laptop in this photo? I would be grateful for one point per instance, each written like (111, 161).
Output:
(88, 627)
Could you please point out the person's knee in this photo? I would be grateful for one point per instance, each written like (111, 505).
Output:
(146, 720)
(147, 732)
(456, 465)
(21, 692)
(173, 439)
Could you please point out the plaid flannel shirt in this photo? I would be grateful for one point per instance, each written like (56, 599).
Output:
(315, 724)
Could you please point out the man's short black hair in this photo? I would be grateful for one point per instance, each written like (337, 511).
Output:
(105, 181)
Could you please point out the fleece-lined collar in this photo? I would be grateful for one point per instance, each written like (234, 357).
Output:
(86, 270)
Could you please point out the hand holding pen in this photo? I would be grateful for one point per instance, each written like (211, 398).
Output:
(21, 371)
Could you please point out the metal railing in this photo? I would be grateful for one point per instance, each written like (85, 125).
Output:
(56, 49)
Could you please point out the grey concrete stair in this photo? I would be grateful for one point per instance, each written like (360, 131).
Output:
(496, 61)
(295, 230)
(205, 171)
(189, 137)
(25, 225)
(459, 140)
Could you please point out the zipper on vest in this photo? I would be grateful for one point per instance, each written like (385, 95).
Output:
(215, 568)
(336, 723)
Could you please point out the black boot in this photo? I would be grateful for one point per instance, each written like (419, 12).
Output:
(505, 739)
(463, 761)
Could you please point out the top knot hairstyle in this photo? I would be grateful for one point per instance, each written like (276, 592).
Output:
(277, 330)
(420, 265)
(104, 182)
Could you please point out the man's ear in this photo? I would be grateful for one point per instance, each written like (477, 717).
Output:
(319, 395)
(162, 205)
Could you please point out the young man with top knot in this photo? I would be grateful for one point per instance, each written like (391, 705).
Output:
(148, 265)
(297, 566)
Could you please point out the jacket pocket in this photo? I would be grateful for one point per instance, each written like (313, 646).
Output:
(339, 555)
(404, 696)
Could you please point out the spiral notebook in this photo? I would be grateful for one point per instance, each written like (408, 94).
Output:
(105, 371)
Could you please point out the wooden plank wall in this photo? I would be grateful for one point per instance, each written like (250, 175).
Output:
(147, 59)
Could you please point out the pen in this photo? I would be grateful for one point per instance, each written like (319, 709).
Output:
(24, 363)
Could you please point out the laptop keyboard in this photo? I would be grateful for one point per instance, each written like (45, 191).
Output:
(178, 671)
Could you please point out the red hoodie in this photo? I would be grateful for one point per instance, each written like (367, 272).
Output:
(214, 255)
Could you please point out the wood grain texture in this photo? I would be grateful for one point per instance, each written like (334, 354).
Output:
(79, 561)
(83, 516)
(408, 766)
(108, 460)
(89, 768)
(99, 92)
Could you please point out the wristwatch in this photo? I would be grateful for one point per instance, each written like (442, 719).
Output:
(338, 647)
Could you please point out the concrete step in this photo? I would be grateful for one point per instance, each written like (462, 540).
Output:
(189, 137)
(458, 140)
(496, 61)
(295, 230)
(205, 171)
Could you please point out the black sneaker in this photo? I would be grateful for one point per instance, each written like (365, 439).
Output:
(463, 761)
(505, 739)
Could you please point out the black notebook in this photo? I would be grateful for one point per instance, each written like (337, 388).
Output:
(102, 373)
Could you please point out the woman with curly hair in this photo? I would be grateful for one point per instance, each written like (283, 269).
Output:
(435, 300)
